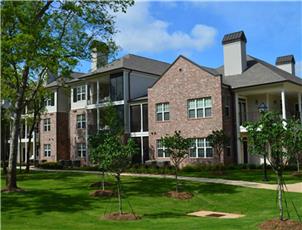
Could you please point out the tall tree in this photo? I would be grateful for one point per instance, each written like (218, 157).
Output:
(177, 147)
(37, 36)
(269, 136)
(218, 139)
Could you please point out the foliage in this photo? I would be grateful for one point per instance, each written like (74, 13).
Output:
(293, 140)
(177, 147)
(40, 39)
(218, 140)
(268, 136)
(50, 165)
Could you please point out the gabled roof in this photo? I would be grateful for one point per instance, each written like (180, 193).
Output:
(258, 72)
(285, 60)
(211, 71)
(133, 62)
(233, 37)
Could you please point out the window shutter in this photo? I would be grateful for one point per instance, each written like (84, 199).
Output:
(52, 99)
(74, 94)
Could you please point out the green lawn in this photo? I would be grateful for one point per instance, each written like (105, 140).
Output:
(62, 201)
(255, 175)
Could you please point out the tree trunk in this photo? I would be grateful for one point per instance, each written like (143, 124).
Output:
(280, 198)
(28, 145)
(176, 178)
(103, 179)
(12, 162)
(298, 163)
(118, 181)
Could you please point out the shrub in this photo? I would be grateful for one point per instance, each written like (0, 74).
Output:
(50, 165)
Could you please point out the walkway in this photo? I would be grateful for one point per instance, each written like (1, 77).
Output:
(297, 187)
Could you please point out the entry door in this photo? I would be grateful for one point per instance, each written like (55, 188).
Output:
(245, 151)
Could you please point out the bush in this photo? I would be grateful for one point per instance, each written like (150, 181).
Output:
(50, 165)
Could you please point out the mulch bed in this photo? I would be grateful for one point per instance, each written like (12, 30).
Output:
(102, 193)
(180, 195)
(297, 174)
(121, 216)
(281, 225)
(100, 184)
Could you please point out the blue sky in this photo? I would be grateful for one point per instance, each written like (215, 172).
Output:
(163, 30)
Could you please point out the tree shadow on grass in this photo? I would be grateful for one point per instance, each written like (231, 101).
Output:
(42, 201)
(152, 187)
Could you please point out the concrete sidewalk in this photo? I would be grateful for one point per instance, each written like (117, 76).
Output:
(297, 187)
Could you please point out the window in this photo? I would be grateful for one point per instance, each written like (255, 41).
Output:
(81, 121)
(200, 147)
(201, 107)
(50, 100)
(81, 149)
(161, 150)
(46, 123)
(227, 103)
(162, 112)
(79, 93)
(47, 150)
(242, 111)
(145, 117)
(116, 87)
(135, 118)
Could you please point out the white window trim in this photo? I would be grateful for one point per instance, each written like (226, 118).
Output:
(204, 147)
(47, 150)
(203, 107)
(81, 93)
(162, 148)
(81, 121)
(46, 124)
(81, 148)
(162, 111)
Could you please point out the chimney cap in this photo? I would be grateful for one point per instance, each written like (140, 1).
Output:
(233, 37)
(285, 59)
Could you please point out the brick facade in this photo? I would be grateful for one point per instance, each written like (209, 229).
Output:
(183, 81)
(77, 136)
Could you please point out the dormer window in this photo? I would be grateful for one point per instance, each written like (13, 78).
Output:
(79, 93)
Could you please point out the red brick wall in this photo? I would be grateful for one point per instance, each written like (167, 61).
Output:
(76, 135)
(48, 137)
(63, 144)
(181, 82)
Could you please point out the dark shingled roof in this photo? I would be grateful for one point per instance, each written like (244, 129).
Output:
(74, 76)
(285, 60)
(233, 37)
(133, 62)
(258, 72)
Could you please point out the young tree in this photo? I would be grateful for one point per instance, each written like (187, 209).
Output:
(218, 140)
(112, 127)
(37, 36)
(293, 140)
(116, 157)
(35, 108)
(270, 134)
(177, 147)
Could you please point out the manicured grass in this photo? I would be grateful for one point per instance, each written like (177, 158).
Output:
(62, 201)
(255, 175)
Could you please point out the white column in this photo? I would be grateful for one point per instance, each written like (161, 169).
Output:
(126, 98)
(98, 119)
(97, 92)
(142, 123)
(300, 106)
(86, 136)
(86, 89)
(26, 142)
(34, 144)
(283, 104)
(142, 149)
(267, 102)
(239, 154)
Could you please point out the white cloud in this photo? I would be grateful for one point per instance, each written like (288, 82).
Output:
(139, 31)
(298, 68)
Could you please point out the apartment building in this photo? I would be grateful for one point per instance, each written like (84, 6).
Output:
(197, 100)
(154, 98)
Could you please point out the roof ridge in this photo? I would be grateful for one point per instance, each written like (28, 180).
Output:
(139, 56)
